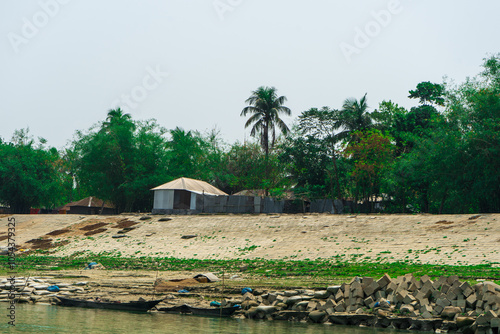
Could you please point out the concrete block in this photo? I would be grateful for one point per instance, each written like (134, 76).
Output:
(490, 298)
(425, 279)
(464, 286)
(403, 286)
(450, 295)
(443, 302)
(358, 293)
(371, 288)
(369, 301)
(414, 314)
(426, 308)
(471, 301)
(352, 308)
(409, 299)
(438, 294)
(339, 296)
(391, 287)
(467, 292)
(437, 284)
(413, 287)
(401, 295)
(462, 303)
(384, 281)
(367, 281)
(495, 323)
(380, 294)
(438, 309)
(424, 301)
(340, 307)
(329, 304)
(426, 315)
(444, 288)
(452, 279)
(427, 286)
(355, 285)
(421, 295)
(409, 277)
(311, 306)
(488, 287)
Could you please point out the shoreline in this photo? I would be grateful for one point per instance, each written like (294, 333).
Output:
(445, 304)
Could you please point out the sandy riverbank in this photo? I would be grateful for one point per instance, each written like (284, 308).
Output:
(443, 239)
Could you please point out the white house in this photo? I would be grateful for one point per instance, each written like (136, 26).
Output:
(180, 195)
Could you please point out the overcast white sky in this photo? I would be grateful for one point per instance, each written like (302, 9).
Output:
(64, 64)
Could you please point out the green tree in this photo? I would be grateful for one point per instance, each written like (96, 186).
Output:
(29, 175)
(185, 151)
(353, 117)
(320, 127)
(371, 153)
(265, 107)
(120, 160)
(428, 93)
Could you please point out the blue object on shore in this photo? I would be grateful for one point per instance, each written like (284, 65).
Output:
(183, 291)
(245, 290)
(91, 265)
(215, 304)
(53, 288)
(377, 304)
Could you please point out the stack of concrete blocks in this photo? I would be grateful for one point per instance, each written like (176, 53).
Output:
(444, 302)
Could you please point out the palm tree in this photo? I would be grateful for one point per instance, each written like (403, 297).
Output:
(353, 117)
(266, 107)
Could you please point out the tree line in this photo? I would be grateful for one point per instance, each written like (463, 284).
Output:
(442, 156)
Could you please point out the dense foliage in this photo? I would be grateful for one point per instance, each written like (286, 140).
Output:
(442, 156)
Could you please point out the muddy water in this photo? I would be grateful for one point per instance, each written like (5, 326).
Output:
(57, 319)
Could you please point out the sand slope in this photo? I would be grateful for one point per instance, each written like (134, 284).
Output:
(445, 239)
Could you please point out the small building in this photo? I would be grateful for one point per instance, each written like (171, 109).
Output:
(183, 195)
(88, 206)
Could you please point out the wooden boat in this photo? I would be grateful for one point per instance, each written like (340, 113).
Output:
(213, 311)
(138, 306)
(175, 309)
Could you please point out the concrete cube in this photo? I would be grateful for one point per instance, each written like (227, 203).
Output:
(471, 301)
(380, 294)
(371, 288)
(384, 281)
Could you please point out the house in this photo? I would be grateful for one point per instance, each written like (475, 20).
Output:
(183, 195)
(88, 206)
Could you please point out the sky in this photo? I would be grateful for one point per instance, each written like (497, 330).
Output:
(193, 63)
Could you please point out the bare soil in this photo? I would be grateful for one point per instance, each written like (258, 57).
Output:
(435, 239)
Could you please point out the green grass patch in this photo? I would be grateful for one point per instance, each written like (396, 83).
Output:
(334, 269)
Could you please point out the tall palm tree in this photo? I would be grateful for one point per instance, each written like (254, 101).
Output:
(353, 117)
(266, 107)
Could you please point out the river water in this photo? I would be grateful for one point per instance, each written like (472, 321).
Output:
(58, 319)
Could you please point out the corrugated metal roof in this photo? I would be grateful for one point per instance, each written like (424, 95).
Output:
(196, 186)
(89, 202)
